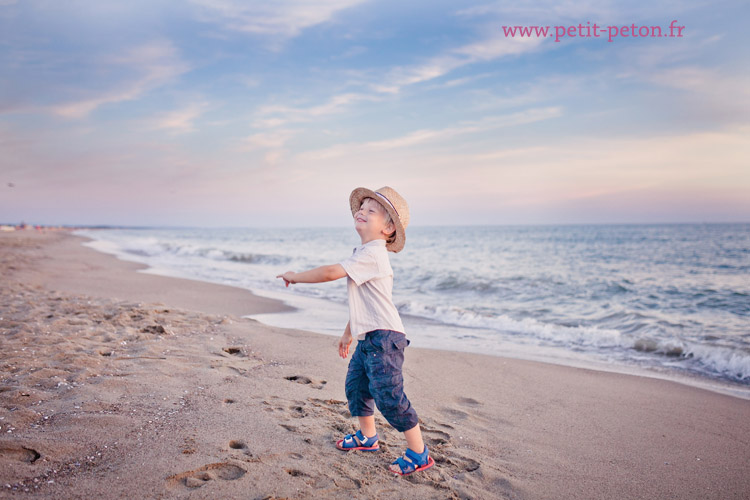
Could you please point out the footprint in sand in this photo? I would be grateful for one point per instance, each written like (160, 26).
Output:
(434, 437)
(211, 472)
(470, 402)
(315, 482)
(298, 411)
(20, 453)
(457, 463)
(155, 330)
(295, 472)
(454, 414)
(333, 406)
(229, 368)
(301, 379)
(239, 445)
(234, 361)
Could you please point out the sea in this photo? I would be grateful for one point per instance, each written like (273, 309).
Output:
(662, 300)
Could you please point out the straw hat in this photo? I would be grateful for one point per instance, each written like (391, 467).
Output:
(393, 203)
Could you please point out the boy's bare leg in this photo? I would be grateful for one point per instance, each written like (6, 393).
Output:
(367, 425)
(414, 439)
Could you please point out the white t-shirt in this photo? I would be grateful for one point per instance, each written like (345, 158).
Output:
(370, 285)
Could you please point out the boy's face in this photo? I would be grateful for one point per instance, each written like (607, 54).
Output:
(369, 221)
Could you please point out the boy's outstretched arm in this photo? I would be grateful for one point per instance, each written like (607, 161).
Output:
(317, 275)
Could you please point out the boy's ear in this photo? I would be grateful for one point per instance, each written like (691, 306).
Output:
(389, 228)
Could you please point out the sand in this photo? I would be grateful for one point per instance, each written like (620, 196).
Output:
(115, 383)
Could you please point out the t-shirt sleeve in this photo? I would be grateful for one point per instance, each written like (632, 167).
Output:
(361, 267)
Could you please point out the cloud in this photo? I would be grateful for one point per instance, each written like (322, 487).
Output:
(266, 140)
(696, 83)
(180, 120)
(594, 167)
(80, 109)
(492, 47)
(282, 18)
(457, 82)
(724, 94)
(548, 12)
(156, 64)
(426, 136)
(485, 50)
(543, 176)
(277, 115)
(497, 46)
(270, 144)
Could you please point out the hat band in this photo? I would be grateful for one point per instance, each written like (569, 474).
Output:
(389, 202)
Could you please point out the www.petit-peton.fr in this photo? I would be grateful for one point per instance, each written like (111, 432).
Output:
(589, 30)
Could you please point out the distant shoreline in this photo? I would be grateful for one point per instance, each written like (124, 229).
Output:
(75, 227)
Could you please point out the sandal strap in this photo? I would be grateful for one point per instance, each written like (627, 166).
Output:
(364, 440)
(411, 460)
(404, 466)
(417, 458)
(360, 439)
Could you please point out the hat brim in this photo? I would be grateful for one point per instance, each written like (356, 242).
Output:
(355, 202)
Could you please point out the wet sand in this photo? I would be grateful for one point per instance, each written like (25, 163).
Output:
(115, 383)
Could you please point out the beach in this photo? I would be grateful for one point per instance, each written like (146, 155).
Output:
(115, 383)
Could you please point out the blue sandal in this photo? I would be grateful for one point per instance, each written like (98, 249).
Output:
(358, 441)
(413, 462)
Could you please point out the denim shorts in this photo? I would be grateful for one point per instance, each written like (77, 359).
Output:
(375, 376)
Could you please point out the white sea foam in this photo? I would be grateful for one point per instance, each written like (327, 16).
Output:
(730, 363)
(559, 334)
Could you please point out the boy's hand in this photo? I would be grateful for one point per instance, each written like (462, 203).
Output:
(344, 342)
(288, 278)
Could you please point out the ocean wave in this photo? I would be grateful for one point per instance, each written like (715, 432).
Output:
(731, 301)
(446, 282)
(140, 252)
(583, 336)
(256, 258)
(151, 249)
(725, 362)
(454, 283)
(711, 360)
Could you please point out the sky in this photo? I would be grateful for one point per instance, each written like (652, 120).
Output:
(249, 113)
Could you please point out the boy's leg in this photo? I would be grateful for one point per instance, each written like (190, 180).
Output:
(367, 425)
(387, 381)
(384, 369)
(360, 406)
(414, 439)
(357, 388)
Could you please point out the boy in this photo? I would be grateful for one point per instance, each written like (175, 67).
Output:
(380, 219)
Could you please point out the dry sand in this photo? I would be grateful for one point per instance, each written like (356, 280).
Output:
(118, 384)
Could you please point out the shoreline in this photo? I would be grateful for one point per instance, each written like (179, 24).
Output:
(290, 314)
(553, 356)
(175, 389)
